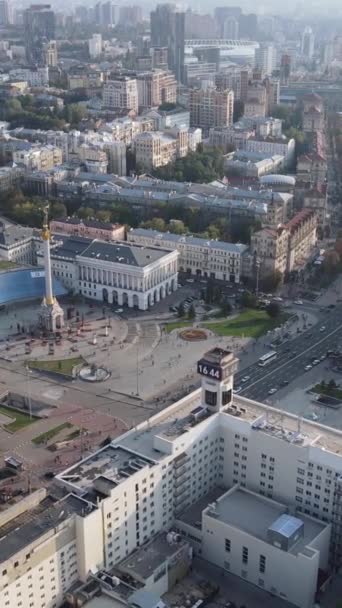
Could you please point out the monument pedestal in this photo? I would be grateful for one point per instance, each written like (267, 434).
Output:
(51, 316)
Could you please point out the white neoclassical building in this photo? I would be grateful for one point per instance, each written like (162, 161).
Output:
(115, 272)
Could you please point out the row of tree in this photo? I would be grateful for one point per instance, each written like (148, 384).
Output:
(200, 167)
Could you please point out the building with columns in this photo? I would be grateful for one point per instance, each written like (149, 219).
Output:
(116, 272)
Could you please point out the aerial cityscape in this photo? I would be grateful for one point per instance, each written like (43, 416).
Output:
(170, 305)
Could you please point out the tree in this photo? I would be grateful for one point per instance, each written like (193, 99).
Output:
(248, 300)
(273, 310)
(331, 385)
(226, 308)
(181, 311)
(191, 312)
(177, 227)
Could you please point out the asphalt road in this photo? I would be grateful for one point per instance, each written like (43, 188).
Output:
(292, 357)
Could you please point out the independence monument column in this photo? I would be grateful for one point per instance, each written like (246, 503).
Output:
(51, 314)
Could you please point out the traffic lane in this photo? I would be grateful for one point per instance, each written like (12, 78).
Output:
(295, 366)
(286, 351)
(289, 373)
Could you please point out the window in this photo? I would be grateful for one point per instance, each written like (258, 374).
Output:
(210, 398)
(227, 545)
(244, 555)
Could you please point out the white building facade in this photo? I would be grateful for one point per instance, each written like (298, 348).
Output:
(238, 456)
(115, 273)
(200, 257)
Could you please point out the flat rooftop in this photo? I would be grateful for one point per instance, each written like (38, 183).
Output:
(148, 558)
(193, 515)
(28, 527)
(254, 514)
(111, 464)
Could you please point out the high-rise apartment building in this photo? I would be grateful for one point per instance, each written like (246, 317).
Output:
(39, 27)
(95, 46)
(231, 28)
(105, 14)
(5, 13)
(265, 58)
(222, 13)
(159, 56)
(308, 43)
(211, 108)
(155, 88)
(130, 15)
(168, 30)
(121, 92)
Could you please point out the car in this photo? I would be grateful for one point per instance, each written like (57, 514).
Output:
(298, 302)
(245, 379)
(285, 383)
(322, 328)
(277, 299)
(315, 362)
(307, 368)
(322, 357)
(238, 389)
(118, 311)
(190, 280)
(272, 391)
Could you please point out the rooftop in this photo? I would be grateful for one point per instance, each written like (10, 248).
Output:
(189, 240)
(110, 465)
(255, 515)
(151, 556)
(31, 525)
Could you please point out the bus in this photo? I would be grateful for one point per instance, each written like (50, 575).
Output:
(268, 358)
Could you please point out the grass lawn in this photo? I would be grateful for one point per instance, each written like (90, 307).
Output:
(335, 392)
(20, 419)
(178, 325)
(59, 366)
(6, 265)
(43, 438)
(250, 324)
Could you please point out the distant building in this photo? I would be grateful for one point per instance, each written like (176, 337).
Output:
(265, 58)
(308, 43)
(199, 257)
(95, 46)
(90, 229)
(121, 92)
(39, 28)
(159, 148)
(130, 15)
(155, 88)
(313, 113)
(18, 244)
(6, 17)
(211, 108)
(168, 30)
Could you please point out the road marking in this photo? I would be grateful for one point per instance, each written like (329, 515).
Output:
(294, 358)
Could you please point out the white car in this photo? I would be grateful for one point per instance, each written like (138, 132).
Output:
(307, 368)
(298, 302)
(118, 311)
(322, 328)
(272, 391)
(238, 389)
(245, 379)
(315, 362)
(278, 299)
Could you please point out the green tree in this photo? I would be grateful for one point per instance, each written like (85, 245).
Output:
(248, 300)
(191, 312)
(226, 308)
(181, 311)
(177, 227)
(273, 310)
(103, 215)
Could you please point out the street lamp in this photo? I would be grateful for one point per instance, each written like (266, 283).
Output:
(29, 390)
(257, 267)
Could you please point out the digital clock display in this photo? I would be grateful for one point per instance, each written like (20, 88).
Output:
(209, 370)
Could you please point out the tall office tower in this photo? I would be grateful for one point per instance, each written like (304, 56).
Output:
(95, 46)
(167, 29)
(308, 42)
(211, 108)
(231, 28)
(285, 69)
(265, 58)
(130, 15)
(39, 24)
(105, 14)
(222, 13)
(248, 26)
(5, 13)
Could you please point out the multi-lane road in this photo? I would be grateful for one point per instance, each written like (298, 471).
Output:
(292, 357)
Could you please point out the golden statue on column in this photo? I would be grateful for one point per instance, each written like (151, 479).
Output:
(51, 314)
